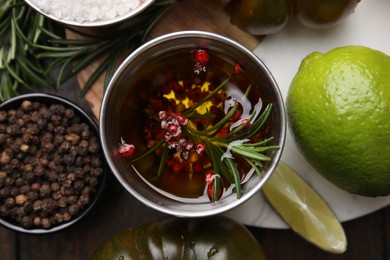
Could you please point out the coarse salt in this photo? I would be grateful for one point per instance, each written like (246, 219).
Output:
(82, 11)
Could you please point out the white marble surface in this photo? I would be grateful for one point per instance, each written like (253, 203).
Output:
(282, 53)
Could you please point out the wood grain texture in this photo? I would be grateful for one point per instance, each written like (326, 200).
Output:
(186, 15)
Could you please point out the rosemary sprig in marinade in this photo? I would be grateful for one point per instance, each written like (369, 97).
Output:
(203, 127)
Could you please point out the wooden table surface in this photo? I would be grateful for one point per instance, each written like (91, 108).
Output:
(368, 236)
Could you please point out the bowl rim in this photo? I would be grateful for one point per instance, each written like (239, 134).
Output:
(50, 99)
(100, 23)
(217, 209)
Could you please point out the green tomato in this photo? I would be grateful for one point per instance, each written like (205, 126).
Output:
(180, 238)
(323, 13)
(259, 17)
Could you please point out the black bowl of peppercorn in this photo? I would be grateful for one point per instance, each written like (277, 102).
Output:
(192, 124)
(51, 164)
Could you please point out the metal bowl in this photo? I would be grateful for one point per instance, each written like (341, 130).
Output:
(122, 98)
(98, 23)
(11, 221)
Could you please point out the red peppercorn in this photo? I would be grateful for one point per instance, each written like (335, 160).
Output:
(188, 145)
(244, 121)
(162, 115)
(173, 130)
(177, 167)
(238, 113)
(201, 56)
(126, 150)
(175, 86)
(222, 132)
(210, 179)
(200, 147)
(237, 69)
(197, 167)
(210, 193)
(181, 119)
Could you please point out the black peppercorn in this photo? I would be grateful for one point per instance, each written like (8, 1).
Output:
(27, 221)
(26, 105)
(13, 129)
(9, 202)
(14, 191)
(55, 186)
(45, 190)
(73, 209)
(48, 205)
(69, 159)
(3, 138)
(62, 202)
(59, 218)
(78, 185)
(45, 223)
(41, 123)
(5, 157)
(37, 221)
(24, 189)
(32, 129)
(69, 113)
(3, 116)
(66, 216)
(57, 108)
(4, 192)
(37, 205)
(85, 134)
(32, 196)
(84, 199)
(96, 162)
(4, 211)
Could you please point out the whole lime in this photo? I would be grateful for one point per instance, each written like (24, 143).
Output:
(338, 107)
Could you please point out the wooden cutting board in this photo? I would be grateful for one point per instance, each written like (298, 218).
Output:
(186, 15)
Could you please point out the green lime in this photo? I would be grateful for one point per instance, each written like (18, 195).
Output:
(304, 210)
(338, 108)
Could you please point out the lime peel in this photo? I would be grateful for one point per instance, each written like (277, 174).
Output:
(338, 113)
(304, 210)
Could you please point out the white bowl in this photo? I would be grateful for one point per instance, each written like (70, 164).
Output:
(98, 23)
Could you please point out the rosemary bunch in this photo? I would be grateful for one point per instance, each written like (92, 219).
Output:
(27, 39)
(20, 29)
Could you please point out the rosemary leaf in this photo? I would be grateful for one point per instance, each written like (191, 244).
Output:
(259, 122)
(260, 143)
(236, 175)
(215, 128)
(149, 151)
(224, 168)
(94, 76)
(190, 111)
(254, 166)
(13, 73)
(164, 157)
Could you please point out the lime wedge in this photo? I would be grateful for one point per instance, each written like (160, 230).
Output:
(304, 210)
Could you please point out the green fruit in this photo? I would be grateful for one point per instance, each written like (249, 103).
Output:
(323, 13)
(259, 17)
(304, 210)
(338, 108)
(204, 238)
